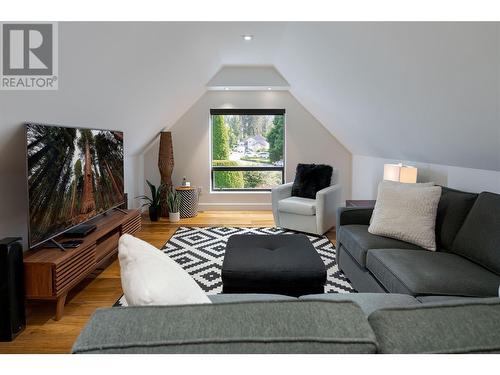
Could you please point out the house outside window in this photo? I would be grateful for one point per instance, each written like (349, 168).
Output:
(247, 149)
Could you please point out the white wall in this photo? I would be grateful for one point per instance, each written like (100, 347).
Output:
(111, 76)
(307, 141)
(368, 171)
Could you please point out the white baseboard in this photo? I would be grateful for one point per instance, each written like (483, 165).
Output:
(234, 206)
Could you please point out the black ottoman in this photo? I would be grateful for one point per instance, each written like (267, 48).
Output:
(279, 264)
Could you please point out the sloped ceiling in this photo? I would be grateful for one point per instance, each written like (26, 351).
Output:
(139, 77)
(156, 71)
(427, 92)
(248, 78)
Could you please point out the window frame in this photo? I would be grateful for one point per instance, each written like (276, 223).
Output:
(240, 112)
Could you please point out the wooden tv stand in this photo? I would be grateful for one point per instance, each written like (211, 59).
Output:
(50, 273)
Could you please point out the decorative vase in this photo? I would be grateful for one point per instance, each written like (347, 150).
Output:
(174, 216)
(154, 213)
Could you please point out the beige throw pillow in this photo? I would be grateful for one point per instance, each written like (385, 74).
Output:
(397, 183)
(407, 213)
(416, 184)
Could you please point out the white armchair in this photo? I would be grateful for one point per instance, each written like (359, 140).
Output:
(315, 216)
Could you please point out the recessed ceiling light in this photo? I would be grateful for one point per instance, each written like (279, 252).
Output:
(226, 88)
(247, 37)
(269, 88)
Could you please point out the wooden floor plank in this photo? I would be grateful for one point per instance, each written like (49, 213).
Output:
(44, 335)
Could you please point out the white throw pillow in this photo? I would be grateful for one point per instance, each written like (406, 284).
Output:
(150, 277)
(406, 213)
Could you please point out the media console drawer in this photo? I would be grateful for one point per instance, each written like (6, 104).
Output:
(74, 268)
(107, 246)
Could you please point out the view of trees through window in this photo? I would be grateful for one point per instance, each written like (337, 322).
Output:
(247, 150)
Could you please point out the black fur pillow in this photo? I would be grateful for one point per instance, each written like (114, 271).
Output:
(311, 178)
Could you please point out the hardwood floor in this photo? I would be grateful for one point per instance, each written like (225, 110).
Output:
(45, 335)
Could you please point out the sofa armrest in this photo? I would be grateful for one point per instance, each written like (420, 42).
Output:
(278, 193)
(353, 215)
(327, 203)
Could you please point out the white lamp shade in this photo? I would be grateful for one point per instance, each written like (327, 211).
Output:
(400, 173)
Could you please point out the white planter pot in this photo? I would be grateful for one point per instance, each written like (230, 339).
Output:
(174, 216)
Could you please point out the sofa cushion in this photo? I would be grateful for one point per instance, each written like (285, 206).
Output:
(353, 215)
(356, 240)
(297, 205)
(430, 273)
(245, 327)
(369, 302)
(311, 178)
(479, 237)
(456, 328)
(453, 207)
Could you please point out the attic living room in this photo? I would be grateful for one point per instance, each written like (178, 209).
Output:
(250, 188)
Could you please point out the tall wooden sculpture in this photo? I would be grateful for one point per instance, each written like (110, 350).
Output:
(166, 166)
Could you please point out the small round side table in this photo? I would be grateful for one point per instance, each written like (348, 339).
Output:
(189, 201)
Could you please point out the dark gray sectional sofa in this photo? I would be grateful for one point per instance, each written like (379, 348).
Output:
(320, 323)
(466, 264)
(423, 301)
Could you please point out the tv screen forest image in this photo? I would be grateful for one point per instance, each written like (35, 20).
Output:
(73, 175)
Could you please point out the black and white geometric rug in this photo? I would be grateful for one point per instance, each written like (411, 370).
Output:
(200, 251)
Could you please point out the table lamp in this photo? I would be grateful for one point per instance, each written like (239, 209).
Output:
(400, 173)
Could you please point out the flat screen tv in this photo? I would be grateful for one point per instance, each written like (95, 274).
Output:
(73, 175)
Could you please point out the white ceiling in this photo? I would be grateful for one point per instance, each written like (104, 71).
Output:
(153, 72)
(427, 92)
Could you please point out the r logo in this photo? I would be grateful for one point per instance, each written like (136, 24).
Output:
(27, 49)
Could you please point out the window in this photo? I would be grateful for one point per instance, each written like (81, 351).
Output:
(247, 149)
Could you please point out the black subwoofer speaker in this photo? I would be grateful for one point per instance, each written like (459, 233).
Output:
(12, 310)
